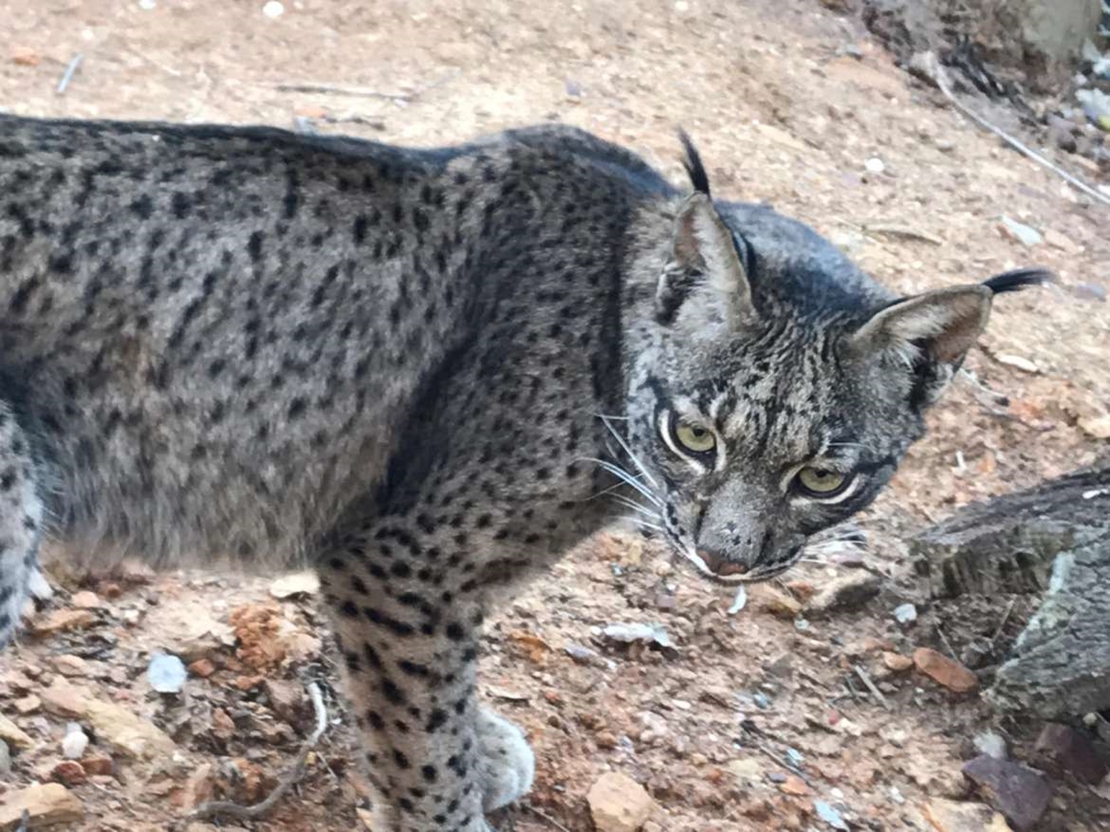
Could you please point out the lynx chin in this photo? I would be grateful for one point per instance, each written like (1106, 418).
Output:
(415, 371)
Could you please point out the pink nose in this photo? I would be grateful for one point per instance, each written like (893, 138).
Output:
(719, 565)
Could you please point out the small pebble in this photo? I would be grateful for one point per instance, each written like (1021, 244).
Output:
(74, 742)
(905, 614)
(166, 673)
(991, 744)
(874, 165)
(273, 9)
(829, 815)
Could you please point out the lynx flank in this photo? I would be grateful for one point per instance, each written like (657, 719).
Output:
(416, 370)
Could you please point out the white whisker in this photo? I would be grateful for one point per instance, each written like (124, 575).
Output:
(628, 450)
(621, 474)
(637, 507)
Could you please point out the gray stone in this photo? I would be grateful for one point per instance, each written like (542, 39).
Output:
(1073, 751)
(1020, 793)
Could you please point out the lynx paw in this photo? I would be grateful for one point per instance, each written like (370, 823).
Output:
(508, 766)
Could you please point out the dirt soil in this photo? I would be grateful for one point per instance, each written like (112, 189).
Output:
(752, 721)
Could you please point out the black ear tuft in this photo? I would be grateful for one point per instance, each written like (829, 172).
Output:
(693, 165)
(1019, 279)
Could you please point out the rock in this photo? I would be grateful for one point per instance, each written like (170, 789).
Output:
(1062, 131)
(905, 614)
(113, 725)
(296, 584)
(945, 671)
(166, 673)
(1020, 793)
(61, 620)
(1089, 291)
(618, 803)
(1020, 232)
(127, 733)
(896, 662)
(198, 787)
(285, 698)
(747, 771)
(11, 734)
(46, 805)
(73, 666)
(5, 759)
(1018, 362)
(98, 764)
(766, 598)
(829, 815)
(957, 816)
(1073, 751)
(190, 631)
(1059, 240)
(74, 742)
(63, 699)
(991, 744)
(866, 646)
(27, 704)
(25, 56)
(69, 773)
(794, 785)
(85, 600)
(845, 593)
(223, 726)
(651, 634)
(583, 655)
(1097, 426)
(202, 668)
(874, 165)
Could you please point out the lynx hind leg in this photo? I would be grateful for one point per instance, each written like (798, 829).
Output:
(20, 521)
(507, 765)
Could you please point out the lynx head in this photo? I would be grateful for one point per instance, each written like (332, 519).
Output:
(778, 387)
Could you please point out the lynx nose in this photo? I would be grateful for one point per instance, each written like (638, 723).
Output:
(719, 565)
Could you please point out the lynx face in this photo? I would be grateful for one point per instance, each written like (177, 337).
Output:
(783, 389)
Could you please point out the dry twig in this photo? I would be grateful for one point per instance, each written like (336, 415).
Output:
(930, 67)
(67, 76)
(224, 807)
(363, 92)
(331, 89)
(545, 817)
(1002, 623)
(866, 679)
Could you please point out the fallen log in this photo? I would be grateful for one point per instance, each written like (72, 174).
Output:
(1052, 541)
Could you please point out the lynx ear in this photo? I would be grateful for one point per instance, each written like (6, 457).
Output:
(703, 286)
(929, 334)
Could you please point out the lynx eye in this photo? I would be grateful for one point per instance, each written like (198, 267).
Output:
(821, 483)
(695, 438)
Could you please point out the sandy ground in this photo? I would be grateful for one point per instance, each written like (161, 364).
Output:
(788, 104)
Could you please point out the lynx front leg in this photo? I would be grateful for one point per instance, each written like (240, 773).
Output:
(410, 648)
(20, 521)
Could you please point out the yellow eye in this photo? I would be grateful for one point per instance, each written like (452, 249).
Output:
(821, 482)
(695, 438)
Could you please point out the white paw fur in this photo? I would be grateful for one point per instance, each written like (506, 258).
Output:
(508, 765)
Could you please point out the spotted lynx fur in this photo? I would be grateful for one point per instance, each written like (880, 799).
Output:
(417, 371)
